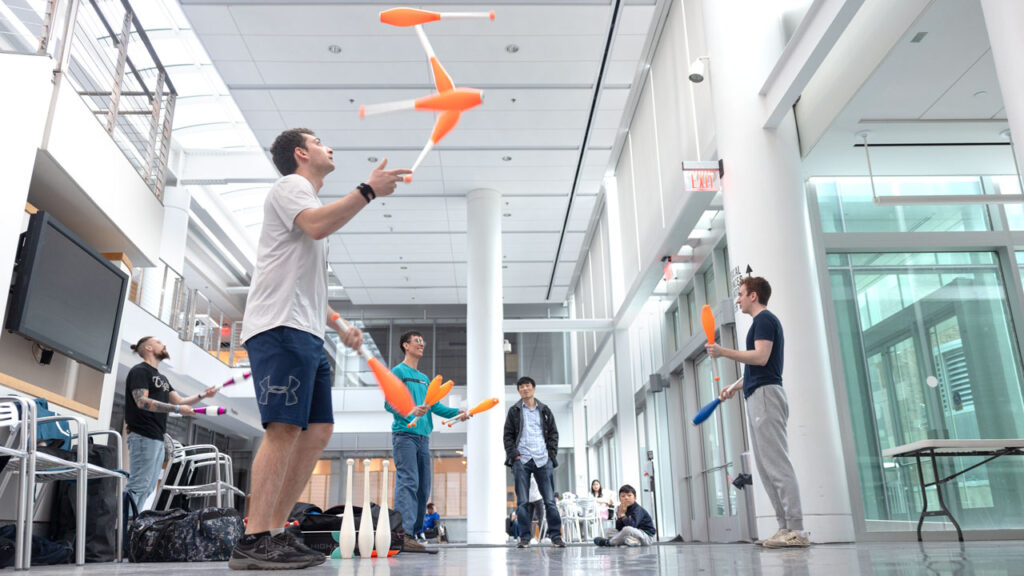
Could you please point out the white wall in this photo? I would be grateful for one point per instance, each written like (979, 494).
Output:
(23, 107)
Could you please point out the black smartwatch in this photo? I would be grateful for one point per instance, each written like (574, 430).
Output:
(366, 191)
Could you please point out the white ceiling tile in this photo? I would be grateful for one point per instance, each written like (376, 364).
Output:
(620, 72)
(394, 247)
(210, 19)
(603, 137)
(238, 72)
(579, 216)
(976, 94)
(266, 120)
(254, 100)
(359, 296)
(226, 47)
(321, 73)
(571, 246)
(563, 273)
(613, 99)
(558, 293)
(588, 187)
(635, 19)
(509, 173)
(519, 158)
(406, 274)
(419, 296)
(524, 295)
(535, 73)
(607, 119)
(534, 246)
(628, 47)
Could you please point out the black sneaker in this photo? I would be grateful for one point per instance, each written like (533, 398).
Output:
(317, 557)
(556, 541)
(602, 541)
(411, 545)
(268, 552)
(523, 543)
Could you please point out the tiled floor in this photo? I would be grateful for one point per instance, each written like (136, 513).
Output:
(880, 559)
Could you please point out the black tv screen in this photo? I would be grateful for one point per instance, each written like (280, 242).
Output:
(65, 295)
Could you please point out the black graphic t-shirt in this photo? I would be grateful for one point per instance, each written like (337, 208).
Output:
(143, 422)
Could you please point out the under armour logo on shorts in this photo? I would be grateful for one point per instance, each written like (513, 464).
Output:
(290, 397)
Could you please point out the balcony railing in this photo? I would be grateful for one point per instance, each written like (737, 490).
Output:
(103, 52)
(161, 291)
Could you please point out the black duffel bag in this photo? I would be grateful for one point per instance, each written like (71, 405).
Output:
(317, 528)
(206, 535)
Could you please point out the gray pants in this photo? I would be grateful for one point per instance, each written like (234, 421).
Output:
(768, 411)
(618, 537)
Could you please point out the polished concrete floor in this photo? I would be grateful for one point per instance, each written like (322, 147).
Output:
(939, 558)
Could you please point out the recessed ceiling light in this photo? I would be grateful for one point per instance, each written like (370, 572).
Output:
(512, 48)
(334, 49)
(980, 93)
(506, 158)
(504, 266)
(918, 37)
(513, 99)
(371, 159)
(387, 215)
(507, 214)
(403, 267)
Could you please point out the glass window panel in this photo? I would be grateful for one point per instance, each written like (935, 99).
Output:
(846, 205)
(1014, 212)
(710, 296)
(928, 351)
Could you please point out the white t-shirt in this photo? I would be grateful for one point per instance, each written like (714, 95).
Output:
(289, 286)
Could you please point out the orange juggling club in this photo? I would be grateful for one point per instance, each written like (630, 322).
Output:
(450, 101)
(481, 407)
(433, 395)
(707, 318)
(405, 17)
(395, 392)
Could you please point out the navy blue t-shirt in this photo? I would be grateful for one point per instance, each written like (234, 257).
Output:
(766, 326)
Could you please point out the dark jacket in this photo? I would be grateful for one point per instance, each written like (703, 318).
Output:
(514, 429)
(636, 517)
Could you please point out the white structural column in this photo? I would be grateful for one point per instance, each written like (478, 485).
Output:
(767, 226)
(625, 415)
(1003, 19)
(485, 373)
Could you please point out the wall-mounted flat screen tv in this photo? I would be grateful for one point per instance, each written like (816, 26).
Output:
(66, 295)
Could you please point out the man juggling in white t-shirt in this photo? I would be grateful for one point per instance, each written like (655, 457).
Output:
(283, 330)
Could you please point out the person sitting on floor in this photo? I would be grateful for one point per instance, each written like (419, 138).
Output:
(633, 525)
(430, 523)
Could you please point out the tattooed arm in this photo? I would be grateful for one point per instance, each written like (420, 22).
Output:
(143, 401)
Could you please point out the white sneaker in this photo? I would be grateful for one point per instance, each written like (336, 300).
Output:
(790, 539)
(632, 541)
(772, 537)
(533, 542)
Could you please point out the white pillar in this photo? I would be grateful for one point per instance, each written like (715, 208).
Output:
(767, 226)
(485, 373)
(581, 483)
(625, 415)
(1003, 19)
(175, 231)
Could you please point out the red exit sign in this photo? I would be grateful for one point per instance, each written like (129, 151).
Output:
(702, 176)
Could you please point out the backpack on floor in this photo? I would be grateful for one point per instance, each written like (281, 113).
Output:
(206, 535)
(100, 508)
(317, 528)
(44, 551)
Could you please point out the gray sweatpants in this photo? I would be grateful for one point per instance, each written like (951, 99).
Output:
(618, 537)
(767, 412)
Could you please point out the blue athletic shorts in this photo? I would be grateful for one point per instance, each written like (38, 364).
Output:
(292, 377)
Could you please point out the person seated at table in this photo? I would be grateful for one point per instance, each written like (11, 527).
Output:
(605, 502)
(633, 525)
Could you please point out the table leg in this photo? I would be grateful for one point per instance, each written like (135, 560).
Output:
(924, 496)
(942, 502)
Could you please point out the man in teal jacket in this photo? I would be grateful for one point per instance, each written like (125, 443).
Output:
(411, 446)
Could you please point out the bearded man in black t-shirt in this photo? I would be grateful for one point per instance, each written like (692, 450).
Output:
(149, 397)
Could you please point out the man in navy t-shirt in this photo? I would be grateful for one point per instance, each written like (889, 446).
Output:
(767, 410)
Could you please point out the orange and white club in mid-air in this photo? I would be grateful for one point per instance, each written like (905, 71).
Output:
(450, 101)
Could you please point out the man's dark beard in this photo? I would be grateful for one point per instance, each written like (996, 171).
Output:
(164, 355)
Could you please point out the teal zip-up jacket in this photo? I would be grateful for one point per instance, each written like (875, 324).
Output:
(417, 383)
